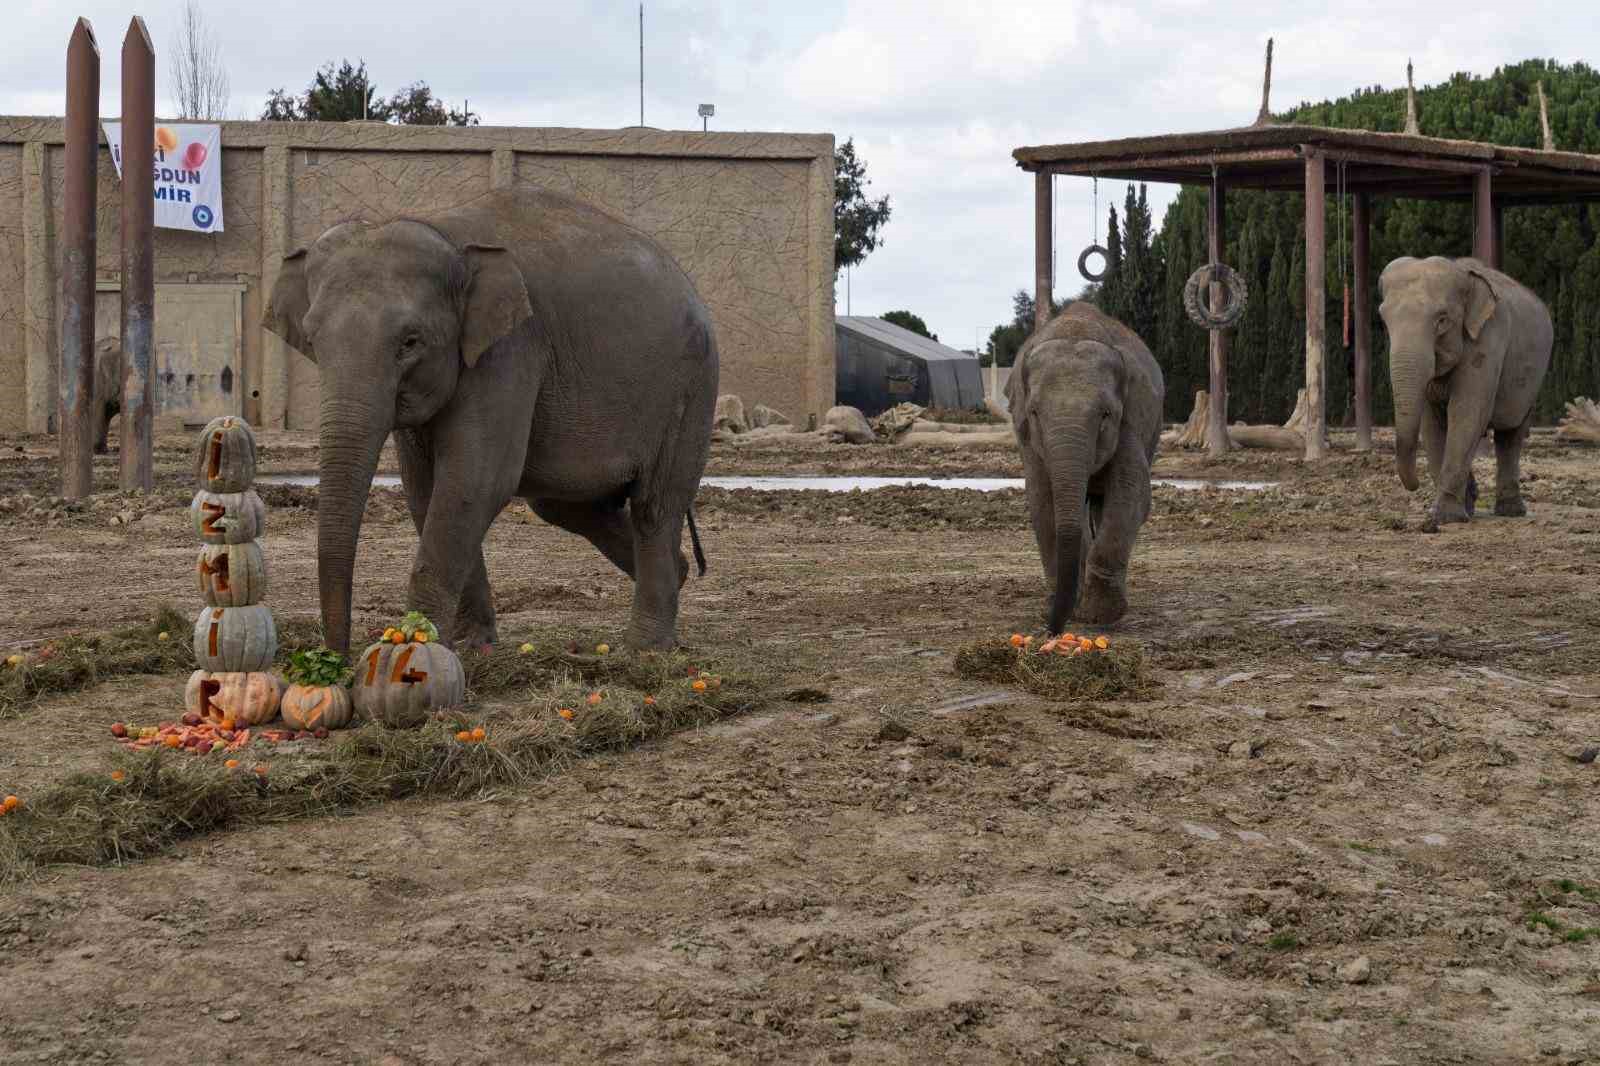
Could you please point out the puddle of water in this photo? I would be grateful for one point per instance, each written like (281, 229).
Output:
(846, 484)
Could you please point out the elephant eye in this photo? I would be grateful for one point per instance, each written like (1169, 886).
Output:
(409, 343)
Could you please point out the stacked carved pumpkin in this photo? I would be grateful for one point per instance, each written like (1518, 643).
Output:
(234, 637)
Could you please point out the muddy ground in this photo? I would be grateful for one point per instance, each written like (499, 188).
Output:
(1349, 826)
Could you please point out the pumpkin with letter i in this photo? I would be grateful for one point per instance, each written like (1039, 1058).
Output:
(244, 698)
(318, 696)
(404, 677)
(225, 455)
(232, 575)
(227, 517)
(235, 639)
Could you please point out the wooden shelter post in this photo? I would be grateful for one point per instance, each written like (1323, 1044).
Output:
(1499, 235)
(1361, 315)
(1217, 441)
(1043, 253)
(75, 370)
(1483, 218)
(1316, 302)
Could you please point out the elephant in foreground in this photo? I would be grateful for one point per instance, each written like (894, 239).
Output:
(1468, 349)
(1085, 398)
(523, 344)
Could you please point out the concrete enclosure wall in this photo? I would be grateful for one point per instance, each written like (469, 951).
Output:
(748, 215)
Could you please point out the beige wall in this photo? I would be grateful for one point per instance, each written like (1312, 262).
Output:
(749, 215)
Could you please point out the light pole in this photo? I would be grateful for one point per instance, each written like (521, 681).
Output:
(706, 111)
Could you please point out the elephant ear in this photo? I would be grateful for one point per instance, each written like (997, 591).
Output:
(494, 300)
(1481, 301)
(286, 308)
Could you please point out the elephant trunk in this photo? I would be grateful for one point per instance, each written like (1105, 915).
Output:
(1411, 367)
(351, 437)
(1067, 457)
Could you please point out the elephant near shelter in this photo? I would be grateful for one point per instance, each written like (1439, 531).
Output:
(522, 344)
(1085, 397)
(107, 388)
(1468, 349)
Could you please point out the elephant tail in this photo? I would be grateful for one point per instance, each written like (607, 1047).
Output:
(694, 538)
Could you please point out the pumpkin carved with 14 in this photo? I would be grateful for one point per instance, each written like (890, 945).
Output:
(399, 684)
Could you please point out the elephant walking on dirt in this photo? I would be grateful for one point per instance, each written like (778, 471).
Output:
(1468, 349)
(1085, 397)
(523, 344)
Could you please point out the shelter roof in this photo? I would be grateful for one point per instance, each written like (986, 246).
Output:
(899, 338)
(1271, 157)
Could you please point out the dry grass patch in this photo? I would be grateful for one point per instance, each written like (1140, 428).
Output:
(1115, 673)
(142, 803)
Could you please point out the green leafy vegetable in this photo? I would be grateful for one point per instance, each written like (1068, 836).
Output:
(319, 667)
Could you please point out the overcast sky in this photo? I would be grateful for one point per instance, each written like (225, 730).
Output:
(936, 95)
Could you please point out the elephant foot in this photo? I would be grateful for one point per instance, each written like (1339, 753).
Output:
(650, 641)
(1510, 507)
(1447, 512)
(1101, 603)
(475, 634)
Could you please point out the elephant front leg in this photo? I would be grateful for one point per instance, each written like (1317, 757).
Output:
(1125, 506)
(1465, 423)
(475, 617)
(1508, 443)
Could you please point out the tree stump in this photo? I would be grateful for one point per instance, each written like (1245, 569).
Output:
(1193, 433)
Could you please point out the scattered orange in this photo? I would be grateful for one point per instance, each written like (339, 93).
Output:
(565, 713)
(1102, 643)
(464, 735)
(649, 701)
(1085, 643)
(421, 637)
(595, 698)
(1016, 640)
(232, 764)
(397, 637)
(699, 686)
(11, 803)
(262, 770)
(172, 740)
(117, 775)
(479, 733)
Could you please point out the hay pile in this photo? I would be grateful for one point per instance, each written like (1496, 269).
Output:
(1117, 673)
(569, 706)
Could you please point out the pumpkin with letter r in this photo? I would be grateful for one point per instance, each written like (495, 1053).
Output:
(245, 699)
(225, 457)
(407, 675)
(319, 695)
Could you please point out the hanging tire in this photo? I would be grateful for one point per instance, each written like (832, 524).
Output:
(1083, 262)
(1234, 287)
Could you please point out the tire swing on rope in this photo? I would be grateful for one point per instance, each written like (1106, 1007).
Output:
(1237, 293)
(1096, 248)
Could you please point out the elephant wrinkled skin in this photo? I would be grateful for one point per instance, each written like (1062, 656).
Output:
(523, 344)
(1085, 397)
(1468, 349)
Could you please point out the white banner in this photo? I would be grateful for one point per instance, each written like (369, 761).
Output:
(188, 174)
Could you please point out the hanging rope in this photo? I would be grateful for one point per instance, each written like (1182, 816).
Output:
(1235, 291)
(1095, 248)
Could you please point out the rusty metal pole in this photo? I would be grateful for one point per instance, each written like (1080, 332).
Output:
(1483, 218)
(75, 372)
(1217, 441)
(1043, 253)
(138, 255)
(1316, 303)
(1361, 254)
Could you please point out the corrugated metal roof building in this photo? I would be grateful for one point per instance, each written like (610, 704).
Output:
(879, 364)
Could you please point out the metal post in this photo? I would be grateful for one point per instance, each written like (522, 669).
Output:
(1361, 312)
(1483, 218)
(1043, 282)
(138, 255)
(75, 422)
(1316, 303)
(1217, 441)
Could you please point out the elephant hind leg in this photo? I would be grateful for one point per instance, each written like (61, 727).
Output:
(603, 525)
(1508, 470)
(659, 569)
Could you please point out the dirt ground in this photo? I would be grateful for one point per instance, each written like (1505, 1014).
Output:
(1351, 825)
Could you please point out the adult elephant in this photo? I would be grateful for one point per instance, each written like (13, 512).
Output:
(524, 344)
(1468, 348)
(1085, 397)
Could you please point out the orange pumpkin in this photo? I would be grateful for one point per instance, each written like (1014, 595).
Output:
(245, 698)
(317, 707)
